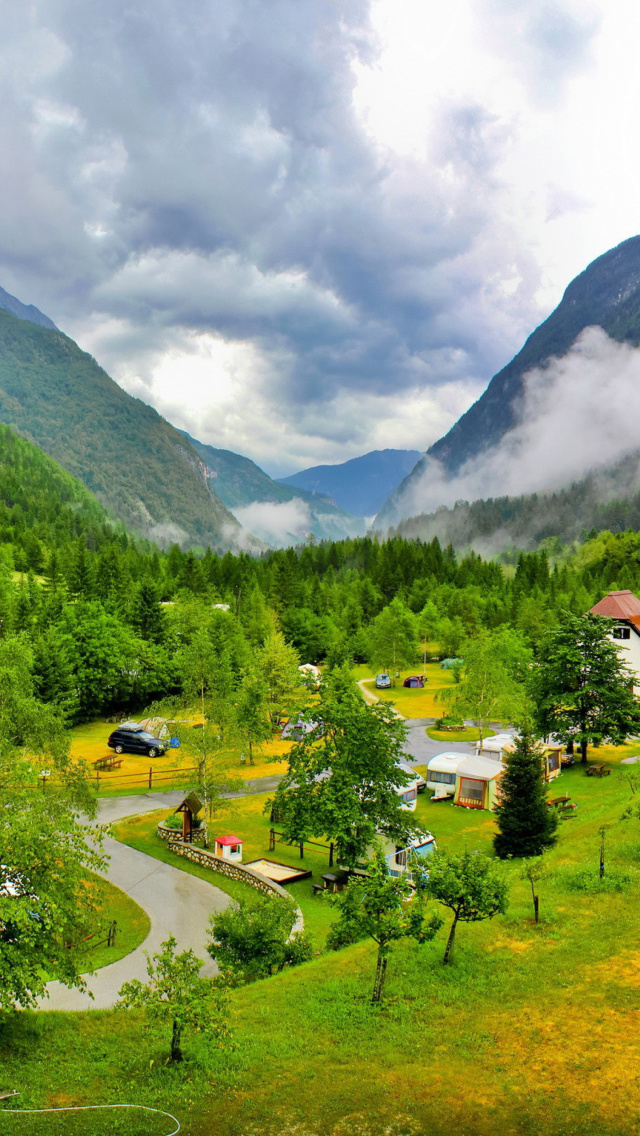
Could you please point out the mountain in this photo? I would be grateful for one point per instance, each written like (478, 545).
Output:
(24, 311)
(137, 464)
(241, 485)
(360, 485)
(606, 294)
(609, 500)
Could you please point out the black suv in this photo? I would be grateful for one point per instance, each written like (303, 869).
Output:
(132, 738)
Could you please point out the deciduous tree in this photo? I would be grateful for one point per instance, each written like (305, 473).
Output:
(178, 997)
(469, 886)
(343, 777)
(383, 908)
(582, 690)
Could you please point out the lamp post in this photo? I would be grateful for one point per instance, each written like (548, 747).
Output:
(42, 776)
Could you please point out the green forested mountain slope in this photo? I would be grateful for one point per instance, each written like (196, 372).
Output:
(492, 525)
(239, 482)
(135, 462)
(39, 498)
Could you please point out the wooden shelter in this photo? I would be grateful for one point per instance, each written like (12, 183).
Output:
(189, 808)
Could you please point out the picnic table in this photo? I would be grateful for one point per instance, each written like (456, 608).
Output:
(334, 882)
(562, 804)
(108, 762)
(600, 770)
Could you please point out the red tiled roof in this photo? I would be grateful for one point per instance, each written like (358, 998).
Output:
(619, 605)
(228, 840)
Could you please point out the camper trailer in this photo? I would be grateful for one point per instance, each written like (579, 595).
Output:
(441, 774)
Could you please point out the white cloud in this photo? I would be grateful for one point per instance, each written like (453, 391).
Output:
(305, 231)
(278, 525)
(579, 413)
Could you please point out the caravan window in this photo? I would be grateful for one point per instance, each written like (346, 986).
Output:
(442, 778)
(410, 795)
(471, 790)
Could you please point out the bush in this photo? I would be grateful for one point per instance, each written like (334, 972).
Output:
(173, 821)
(587, 879)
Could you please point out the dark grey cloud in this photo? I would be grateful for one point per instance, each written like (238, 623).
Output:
(182, 164)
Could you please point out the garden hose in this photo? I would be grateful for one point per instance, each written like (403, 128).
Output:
(93, 1107)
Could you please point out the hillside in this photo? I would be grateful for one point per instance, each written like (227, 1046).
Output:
(606, 502)
(606, 294)
(360, 485)
(135, 462)
(39, 498)
(240, 483)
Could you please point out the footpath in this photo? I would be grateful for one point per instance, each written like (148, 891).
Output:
(177, 904)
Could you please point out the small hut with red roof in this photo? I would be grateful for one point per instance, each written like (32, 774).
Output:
(623, 609)
(230, 848)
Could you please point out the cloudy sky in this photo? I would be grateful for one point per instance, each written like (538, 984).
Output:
(305, 229)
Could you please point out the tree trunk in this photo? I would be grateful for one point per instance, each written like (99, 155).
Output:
(176, 1052)
(570, 747)
(381, 967)
(452, 935)
(250, 753)
(583, 750)
(535, 907)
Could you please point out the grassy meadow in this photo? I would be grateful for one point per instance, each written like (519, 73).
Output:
(531, 1027)
(89, 743)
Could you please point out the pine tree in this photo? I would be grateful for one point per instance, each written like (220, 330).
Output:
(526, 824)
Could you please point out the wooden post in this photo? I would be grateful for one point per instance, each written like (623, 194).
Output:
(331, 854)
(150, 775)
(272, 839)
(302, 849)
(97, 781)
(535, 907)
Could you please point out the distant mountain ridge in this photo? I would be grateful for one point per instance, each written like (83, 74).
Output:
(240, 483)
(25, 311)
(360, 485)
(605, 294)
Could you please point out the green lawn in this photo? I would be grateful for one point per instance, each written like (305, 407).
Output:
(532, 1029)
(245, 818)
(468, 734)
(133, 924)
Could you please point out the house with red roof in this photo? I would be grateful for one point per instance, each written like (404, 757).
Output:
(623, 609)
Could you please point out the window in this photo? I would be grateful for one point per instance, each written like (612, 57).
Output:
(401, 855)
(471, 790)
(621, 633)
(235, 848)
(553, 761)
(443, 778)
(410, 795)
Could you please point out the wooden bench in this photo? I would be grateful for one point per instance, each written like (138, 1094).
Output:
(107, 763)
(562, 804)
(600, 770)
(317, 888)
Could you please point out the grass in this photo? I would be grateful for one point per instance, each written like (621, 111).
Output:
(133, 924)
(533, 1028)
(466, 734)
(245, 818)
(425, 703)
(172, 770)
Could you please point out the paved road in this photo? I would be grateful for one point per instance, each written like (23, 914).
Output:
(419, 748)
(176, 903)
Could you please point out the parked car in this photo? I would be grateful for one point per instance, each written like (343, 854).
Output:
(382, 681)
(131, 737)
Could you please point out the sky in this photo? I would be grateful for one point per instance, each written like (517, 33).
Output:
(306, 229)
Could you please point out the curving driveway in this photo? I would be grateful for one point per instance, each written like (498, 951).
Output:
(176, 903)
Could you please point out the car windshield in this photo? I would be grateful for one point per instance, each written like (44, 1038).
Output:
(146, 737)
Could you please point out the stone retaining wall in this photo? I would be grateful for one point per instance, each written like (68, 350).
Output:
(255, 879)
(197, 834)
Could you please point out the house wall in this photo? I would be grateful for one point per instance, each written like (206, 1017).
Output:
(630, 652)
